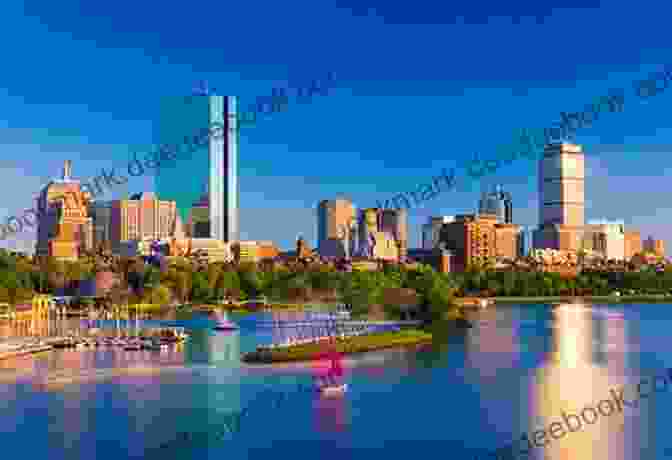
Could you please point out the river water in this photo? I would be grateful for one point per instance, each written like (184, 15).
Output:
(514, 372)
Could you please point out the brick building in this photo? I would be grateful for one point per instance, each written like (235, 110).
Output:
(476, 239)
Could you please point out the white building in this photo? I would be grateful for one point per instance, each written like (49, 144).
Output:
(606, 238)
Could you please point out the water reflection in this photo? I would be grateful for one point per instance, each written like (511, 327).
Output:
(515, 372)
(578, 374)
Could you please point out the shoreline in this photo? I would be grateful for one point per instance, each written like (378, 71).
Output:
(585, 299)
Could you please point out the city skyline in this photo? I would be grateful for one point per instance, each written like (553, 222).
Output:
(454, 109)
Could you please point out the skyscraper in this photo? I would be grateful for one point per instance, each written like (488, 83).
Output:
(334, 227)
(432, 230)
(498, 203)
(213, 163)
(64, 227)
(561, 200)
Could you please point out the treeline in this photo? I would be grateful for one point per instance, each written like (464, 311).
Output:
(392, 289)
(530, 284)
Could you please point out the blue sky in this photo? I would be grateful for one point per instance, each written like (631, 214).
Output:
(421, 86)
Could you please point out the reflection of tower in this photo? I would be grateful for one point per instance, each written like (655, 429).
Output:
(573, 381)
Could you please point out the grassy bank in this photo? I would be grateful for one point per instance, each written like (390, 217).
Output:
(587, 299)
(350, 345)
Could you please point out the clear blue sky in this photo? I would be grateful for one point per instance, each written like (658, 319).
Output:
(422, 85)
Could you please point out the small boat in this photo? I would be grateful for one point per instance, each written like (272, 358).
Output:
(332, 390)
(225, 325)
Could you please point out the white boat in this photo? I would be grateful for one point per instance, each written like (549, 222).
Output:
(333, 390)
(225, 325)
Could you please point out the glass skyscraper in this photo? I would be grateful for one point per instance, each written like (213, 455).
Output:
(210, 165)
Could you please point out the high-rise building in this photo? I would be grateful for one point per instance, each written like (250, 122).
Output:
(335, 220)
(498, 203)
(141, 217)
(561, 201)
(210, 160)
(101, 215)
(64, 227)
(432, 229)
(476, 239)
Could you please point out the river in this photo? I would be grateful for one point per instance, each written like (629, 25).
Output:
(514, 372)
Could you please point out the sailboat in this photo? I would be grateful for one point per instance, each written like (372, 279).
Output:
(329, 386)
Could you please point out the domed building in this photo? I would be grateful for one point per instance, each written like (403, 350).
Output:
(64, 227)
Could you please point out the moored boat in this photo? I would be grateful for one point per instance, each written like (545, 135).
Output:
(333, 390)
(225, 325)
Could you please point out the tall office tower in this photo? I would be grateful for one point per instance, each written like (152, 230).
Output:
(561, 197)
(64, 227)
(142, 216)
(334, 227)
(101, 215)
(432, 229)
(206, 129)
(394, 222)
(498, 203)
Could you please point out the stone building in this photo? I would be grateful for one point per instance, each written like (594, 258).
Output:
(64, 227)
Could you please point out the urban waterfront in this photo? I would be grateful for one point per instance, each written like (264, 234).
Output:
(514, 372)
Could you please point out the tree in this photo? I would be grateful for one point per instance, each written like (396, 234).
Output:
(200, 290)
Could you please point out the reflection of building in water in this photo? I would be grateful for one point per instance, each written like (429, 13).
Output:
(570, 382)
(491, 347)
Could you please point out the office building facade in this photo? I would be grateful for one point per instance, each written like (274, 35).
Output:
(335, 228)
(141, 217)
(64, 228)
(561, 197)
(655, 246)
(101, 216)
(211, 161)
(382, 234)
(432, 229)
(605, 238)
(474, 239)
(632, 243)
(497, 203)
